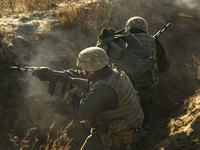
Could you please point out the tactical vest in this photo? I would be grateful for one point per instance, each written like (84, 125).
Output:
(151, 77)
(129, 108)
(149, 43)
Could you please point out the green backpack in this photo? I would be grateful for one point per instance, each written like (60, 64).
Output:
(125, 51)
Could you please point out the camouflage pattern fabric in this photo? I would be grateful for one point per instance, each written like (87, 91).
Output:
(92, 59)
(100, 98)
(149, 43)
(123, 119)
(138, 23)
(128, 102)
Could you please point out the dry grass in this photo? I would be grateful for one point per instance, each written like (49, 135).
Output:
(68, 16)
(61, 143)
(8, 7)
(194, 69)
(40, 4)
(4, 31)
(91, 16)
(4, 40)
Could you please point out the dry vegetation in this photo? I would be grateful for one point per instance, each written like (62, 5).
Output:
(76, 13)
(194, 69)
(9, 7)
(91, 16)
(61, 143)
(5, 45)
(4, 41)
(185, 124)
(70, 15)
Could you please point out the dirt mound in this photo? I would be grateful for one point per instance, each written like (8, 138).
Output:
(38, 40)
(184, 129)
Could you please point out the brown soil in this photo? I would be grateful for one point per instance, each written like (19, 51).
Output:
(26, 104)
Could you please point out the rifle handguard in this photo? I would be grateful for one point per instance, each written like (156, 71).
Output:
(40, 73)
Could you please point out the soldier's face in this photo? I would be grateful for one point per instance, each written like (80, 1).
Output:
(87, 74)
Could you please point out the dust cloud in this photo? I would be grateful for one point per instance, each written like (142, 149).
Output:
(192, 4)
(43, 108)
(59, 49)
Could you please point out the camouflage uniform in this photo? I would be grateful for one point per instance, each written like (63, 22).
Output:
(146, 84)
(111, 107)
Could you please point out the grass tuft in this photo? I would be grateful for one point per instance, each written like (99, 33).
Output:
(61, 143)
(68, 16)
(92, 16)
(9, 7)
(4, 40)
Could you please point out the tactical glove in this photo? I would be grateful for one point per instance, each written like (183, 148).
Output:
(40, 73)
(71, 94)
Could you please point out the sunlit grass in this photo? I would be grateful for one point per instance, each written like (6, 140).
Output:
(4, 40)
(92, 16)
(62, 142)
(8, 7)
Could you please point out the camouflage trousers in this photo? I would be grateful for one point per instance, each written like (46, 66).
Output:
(146, 99)
(94, 142)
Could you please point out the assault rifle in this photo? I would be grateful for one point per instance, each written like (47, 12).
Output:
(53, 76)
(161, 31)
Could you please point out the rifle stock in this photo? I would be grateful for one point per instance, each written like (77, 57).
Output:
(53, 76)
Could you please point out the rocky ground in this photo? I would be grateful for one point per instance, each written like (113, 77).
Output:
(38, 39)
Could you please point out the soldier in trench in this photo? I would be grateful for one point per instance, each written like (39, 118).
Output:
(147, 83)
(111, 107)
(139, 55)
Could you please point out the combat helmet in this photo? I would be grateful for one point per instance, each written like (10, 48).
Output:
(138, 23)
(92, 59)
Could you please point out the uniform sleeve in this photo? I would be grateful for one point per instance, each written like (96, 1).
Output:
(75, 73)
(163, 62)
(99, 98)
(72, 73)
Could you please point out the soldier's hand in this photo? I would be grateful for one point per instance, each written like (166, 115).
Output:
(71, 94)
(40, 73)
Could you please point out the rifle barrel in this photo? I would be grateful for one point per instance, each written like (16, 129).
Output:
(161, 31)
(26, 68)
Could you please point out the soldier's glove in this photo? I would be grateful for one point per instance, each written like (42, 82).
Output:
(40, 73)
(71, 94)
